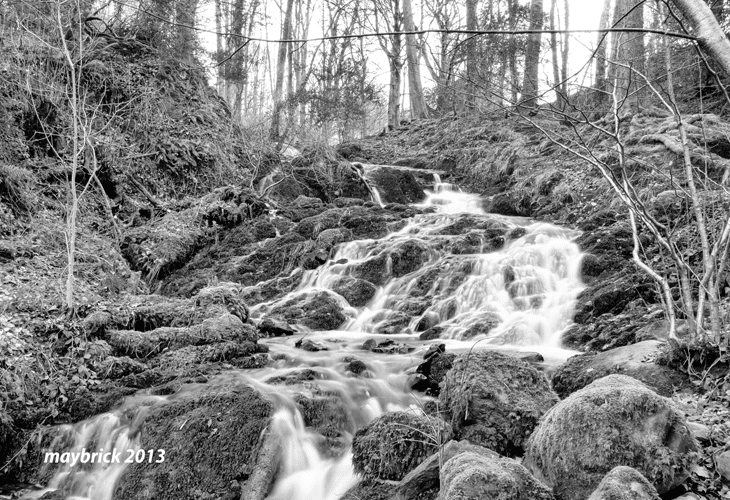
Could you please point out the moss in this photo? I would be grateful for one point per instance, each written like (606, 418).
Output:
(210, 440)
(624, 483)
(495, 400)
(614, 421)
(395, 443)
(475, 476)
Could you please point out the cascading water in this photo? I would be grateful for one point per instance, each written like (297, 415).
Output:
(448, 273)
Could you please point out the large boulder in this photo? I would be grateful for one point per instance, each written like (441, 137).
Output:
(486, 475)
(396, 185)
(317, 310)
(357, 292)
(615, 421)
(395, 443)
(624, 483)
(636, 360)
(495, 400)
(211, 439)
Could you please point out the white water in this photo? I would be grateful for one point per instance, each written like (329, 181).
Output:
(525, 292)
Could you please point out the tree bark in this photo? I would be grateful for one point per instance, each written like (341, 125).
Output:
(394, 94)
(557, 87)
(471, 54)
(628, 52)
(707, 30)
(418, 104)
(275, 132)
(532, 57)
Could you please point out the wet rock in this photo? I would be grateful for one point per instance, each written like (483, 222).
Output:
(494, 400)
(427, 321)
(476, 476)
(295, 377)
(613, 295)
(395, 185)
(624, 483)
(616, 420)
(374, 269)
(394, 323)
(395, 443)
(369, 345)
(636, 361)
(368, 222)
(608, 250)
(467, 224)
(272, 327)
(608, 331)
(485, 324)
(210, 439)
(432, 333)
(326, 415)
(357, 292)
(318, 310)
(356, 367)
(392, 347)
(509, 204)
(515, 233)
(311, 346)
(436, 363)
(407, 257)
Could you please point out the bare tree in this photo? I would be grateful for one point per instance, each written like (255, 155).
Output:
(275, 132)
(418, 103)
(532, 56)
(388, 15)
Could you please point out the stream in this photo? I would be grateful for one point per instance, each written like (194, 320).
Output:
(517, 298)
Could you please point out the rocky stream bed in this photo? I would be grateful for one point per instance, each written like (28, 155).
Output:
(410, 346)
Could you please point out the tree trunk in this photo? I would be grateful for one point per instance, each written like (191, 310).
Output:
(532, 57)
(557, 87)
(707, 30)
(418, 104)
(601, 44)
(514, 76)
(628, 53)
(394, 95)
(566, 47)
(275, 132)
(471, 54)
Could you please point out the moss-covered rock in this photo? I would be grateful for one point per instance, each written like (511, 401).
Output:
(396, 185)
(395, 443)
(318, 310)
(616, 420)
(225, 328)
(624, 483)
(495, 400)
(480, 475)
(210, 439)
(356, 291)
(633, 360)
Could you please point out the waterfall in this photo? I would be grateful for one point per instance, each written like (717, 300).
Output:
(471, 279)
